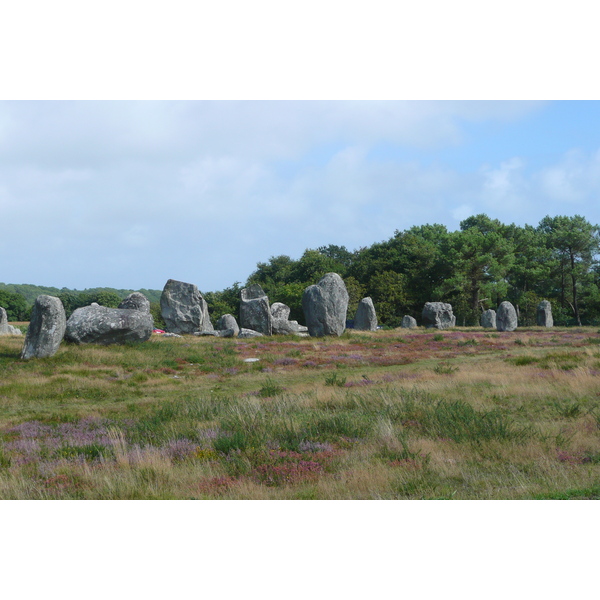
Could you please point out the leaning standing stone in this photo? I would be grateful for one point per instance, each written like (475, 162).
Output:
(183, 308)
(439, 315)
(488, 318)
(544, 314)
(325, 306)
(366, 317)
(101, 325)
(46, 328)
(255, 313)
(408, 322)
(506, 317)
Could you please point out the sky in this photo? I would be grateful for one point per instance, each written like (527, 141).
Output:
(128, 194)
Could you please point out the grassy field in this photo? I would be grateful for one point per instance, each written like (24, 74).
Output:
(461, 414)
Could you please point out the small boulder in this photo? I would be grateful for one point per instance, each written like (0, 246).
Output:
(438, 315)
(255, 312)
(488, 318)
(226, 322)
(183, 308)
(102, 325)
(366, 317)
(506, 317)
(46, 328)
(543, 315)
(136, 301)
(408, 322)
(325, 306)
(249, 333)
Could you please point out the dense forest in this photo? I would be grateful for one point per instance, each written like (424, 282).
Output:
(474, 268)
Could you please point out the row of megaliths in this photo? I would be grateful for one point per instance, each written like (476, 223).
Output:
(505, 318)
(185, 311)
(325, 307)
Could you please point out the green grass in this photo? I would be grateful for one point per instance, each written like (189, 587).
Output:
(188, 418)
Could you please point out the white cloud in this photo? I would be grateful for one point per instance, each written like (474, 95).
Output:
(130, 194)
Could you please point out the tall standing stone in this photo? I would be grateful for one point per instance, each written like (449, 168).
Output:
(183, 308)
(366, 317)
(506, 317)
(325, 306)
(488, 318)
(438, 315)
(255, 312)
(408, 322)
(46, 328)
(543, 315)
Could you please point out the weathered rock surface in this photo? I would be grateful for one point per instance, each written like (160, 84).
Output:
(101, 325)
(255, 313)
(438, 315)
(228, 322)
(183, 308)
(46, 328)
(488, 318)
(280, 313)
(136, 301)
(325, 306)
(279, 310)
(5, 327)
(506, 317)
(249, 333)
(365, 318)
(408, 322)
(543, 316)
(228, 333)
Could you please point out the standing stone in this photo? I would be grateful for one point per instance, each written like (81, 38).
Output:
(46, 328)
(488, 318)
(366, 317)
(325, 306)
(408, 322)
(506, 317)
(281, 323)
(96, 324)
(279, 310)
(255, 313)
(136, 301)
(226, 322)
(183, 308)
(438, 315)
(543, 315)
(5, 327)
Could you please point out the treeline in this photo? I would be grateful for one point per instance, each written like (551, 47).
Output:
(474, 268)
(18, 299)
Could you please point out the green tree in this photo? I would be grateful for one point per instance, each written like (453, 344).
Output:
(388, 292)
(15, 306)
(481, 255)
(575, 244)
